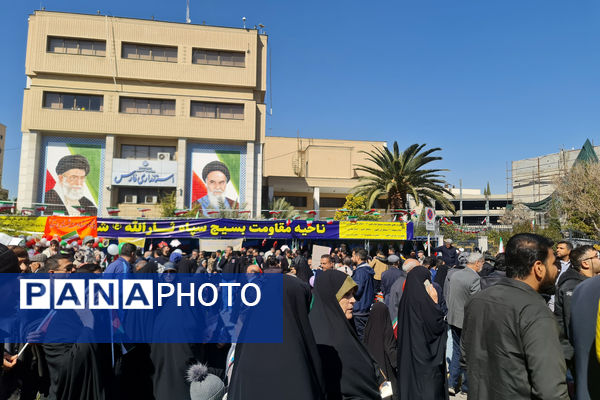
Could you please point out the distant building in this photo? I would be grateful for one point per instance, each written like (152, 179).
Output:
(475, 206)
(533, 179)
(313, 174)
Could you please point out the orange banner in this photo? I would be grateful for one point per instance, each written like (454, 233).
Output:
(61, 226)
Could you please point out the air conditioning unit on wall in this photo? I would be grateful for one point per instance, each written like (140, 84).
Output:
(130, 199)
(150, 199)
(164, 156)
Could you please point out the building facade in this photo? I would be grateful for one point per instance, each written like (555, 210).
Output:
(313, 174)
(474, 208)
(120, 112)
(533, 179)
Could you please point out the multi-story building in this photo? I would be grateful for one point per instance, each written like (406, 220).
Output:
(474, 208)
(118, 112)
(313, 174)
(533, 179)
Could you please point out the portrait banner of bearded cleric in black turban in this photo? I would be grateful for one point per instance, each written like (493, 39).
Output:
(216, 176)
(68, 194)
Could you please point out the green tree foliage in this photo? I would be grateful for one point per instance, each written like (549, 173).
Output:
(287, 211)
(395, 175)
(167, 205)
(356, 206)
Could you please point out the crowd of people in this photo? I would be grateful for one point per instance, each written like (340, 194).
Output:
(520, 325)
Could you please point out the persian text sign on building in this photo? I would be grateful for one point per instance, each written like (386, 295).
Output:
(375, 230)
(144, 173)
(217, 228)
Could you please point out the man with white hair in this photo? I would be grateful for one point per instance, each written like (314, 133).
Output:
(464, 284)
(447, 252)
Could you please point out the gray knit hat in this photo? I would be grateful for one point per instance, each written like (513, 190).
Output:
(204, 386)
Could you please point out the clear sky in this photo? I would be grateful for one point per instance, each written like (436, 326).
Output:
(488, 81)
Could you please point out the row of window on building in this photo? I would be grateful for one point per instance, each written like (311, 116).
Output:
(137, 51)
(133, 105)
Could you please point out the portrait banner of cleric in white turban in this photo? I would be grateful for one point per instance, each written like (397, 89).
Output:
(216, 176)
(66, 188)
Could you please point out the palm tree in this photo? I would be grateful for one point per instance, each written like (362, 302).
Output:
(285, 209)
(398, 175)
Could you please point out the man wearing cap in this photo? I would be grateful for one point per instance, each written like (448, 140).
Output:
(68, 193)
(216, 176)
(448, 253)
(389, 277)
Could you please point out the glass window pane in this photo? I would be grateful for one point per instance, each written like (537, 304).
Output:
(141, 152)
(212, 58)
(199, 57)
(86, 48)
(142, 106)
(227, 59)
(99, 48)
(171, 54)
(158, 54)
(168, 108)
(210, 110)
(127, 105)
(144, 53)
(72, 46)
(154, 107)
(52, 100)
(153, 152)
(127, 151)
(96, 103)
(237, 111)
(68, 101)
(225, 111)
(129, 51)
(56, 45)
(239, 59)
(82, 103)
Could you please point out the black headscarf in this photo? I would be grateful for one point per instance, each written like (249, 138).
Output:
(293, 367)
(381, 342)
(422, 334)
(349, 370)
(303, 271)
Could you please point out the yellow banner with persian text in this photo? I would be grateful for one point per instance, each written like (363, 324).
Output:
(19, 225)
(139, 242)
(373, 230)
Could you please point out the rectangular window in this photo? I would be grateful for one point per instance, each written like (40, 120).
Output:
(216, 57)
(131, 105)
(135, 152)
(296, 201)
(149, 52)
(332, 202)
(83, 47)
(72, 101)
(135, 195)
(203, 109)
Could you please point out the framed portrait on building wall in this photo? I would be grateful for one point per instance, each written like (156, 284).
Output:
(72, 181)
(215, 179)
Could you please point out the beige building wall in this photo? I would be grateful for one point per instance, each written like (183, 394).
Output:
(313, 173)
(114, 77)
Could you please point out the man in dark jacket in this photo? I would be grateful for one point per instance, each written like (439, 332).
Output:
(510, 342)
(448, 253)
(582, 332)
(581, 267)
(365, 294)
(498, 273)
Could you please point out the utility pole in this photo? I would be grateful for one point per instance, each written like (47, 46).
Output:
(460, 198)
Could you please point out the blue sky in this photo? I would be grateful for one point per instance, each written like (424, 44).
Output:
(488, 81)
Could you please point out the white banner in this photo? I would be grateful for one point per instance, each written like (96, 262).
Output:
(153, 173)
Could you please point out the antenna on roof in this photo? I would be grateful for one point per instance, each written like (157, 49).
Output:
(187, 13)
(244, 22)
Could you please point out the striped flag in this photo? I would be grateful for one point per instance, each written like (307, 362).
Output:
(69, 237)
(179, 213)
(309, 221)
